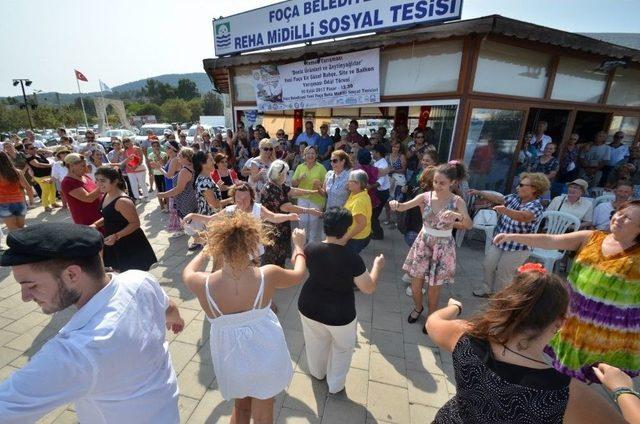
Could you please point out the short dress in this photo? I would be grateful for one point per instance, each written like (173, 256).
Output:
(431, 257)
(273, 197)
(248, 350)
(130, 252)
(186, 202)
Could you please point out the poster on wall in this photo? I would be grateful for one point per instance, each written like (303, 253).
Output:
(342, 80)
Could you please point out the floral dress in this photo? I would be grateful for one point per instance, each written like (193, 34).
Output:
(204, 183)
(273, 197)
(433, 258)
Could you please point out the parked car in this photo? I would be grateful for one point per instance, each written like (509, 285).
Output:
(157, 129)
(105, 138)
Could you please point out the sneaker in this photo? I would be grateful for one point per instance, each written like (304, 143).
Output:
(194, 246)
(177, 234)
(409, 292)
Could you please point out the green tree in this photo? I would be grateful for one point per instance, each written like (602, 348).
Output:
(175, 110)
(212, 104)
(89, 106)
(150, 109)
(187, 89)
(195, 105)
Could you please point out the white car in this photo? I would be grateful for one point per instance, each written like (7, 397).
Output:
(157, 129)
(105, 138)
(191, 133)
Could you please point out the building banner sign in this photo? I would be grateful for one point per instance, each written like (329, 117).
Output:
(341, 80)
(300, 21)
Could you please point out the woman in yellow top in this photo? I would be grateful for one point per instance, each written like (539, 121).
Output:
(359, 204)
(309, 176)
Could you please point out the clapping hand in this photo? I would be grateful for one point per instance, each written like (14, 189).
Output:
(379, 261)
(450, 216)
(393, 205)
(299, 237)
(500, 238)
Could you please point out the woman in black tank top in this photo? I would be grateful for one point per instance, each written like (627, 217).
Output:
(502, 374)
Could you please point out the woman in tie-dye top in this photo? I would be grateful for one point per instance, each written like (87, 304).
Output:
(603, 321)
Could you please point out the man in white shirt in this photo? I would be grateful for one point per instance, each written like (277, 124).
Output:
(604, 211)
(618, 153)
(540, 139)
(384, 183)
(574, 203)
(111, 358)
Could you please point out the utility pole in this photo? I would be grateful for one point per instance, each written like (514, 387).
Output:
(23, 82)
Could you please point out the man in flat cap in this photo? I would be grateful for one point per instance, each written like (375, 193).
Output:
(111, 358)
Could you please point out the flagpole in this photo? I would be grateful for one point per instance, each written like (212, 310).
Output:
(106, 115)
(86, 123)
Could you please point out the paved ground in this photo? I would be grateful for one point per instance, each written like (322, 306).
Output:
(397, 375)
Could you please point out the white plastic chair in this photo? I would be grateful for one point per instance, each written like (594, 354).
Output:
(602, 199)
(556, 223)
(488, 229)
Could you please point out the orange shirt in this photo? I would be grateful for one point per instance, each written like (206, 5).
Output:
(11, 192)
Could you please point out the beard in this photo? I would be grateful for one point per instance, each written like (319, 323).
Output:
(64, 298)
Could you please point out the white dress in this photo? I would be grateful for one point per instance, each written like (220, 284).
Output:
(248, 350)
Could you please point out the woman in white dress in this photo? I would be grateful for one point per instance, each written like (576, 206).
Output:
(248, 350)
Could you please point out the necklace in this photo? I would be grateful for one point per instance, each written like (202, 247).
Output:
(505, 348)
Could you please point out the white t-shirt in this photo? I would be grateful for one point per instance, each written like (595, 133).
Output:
(617, 154)
(544, 141)
(582, 209)
(59, 171)
(602, 216)
(111, 359)
(384, 181)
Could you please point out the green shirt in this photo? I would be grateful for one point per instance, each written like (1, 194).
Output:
(307, 176)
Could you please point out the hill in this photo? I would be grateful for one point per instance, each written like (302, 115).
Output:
(200, 78)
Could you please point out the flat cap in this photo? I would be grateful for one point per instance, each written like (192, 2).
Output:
(45, 241)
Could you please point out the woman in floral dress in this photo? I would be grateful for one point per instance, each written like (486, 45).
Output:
(432, 257)
(275, 197)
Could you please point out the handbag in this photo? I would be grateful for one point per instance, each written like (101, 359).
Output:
(485, 218)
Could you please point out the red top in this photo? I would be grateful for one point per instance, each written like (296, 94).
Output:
(81, 212)
(215, 175)
(11, 192)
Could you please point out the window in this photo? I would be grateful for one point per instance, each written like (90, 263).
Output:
(579, 80)
(625, 89)
(627, 124)
(243, 85)
(505, 69)
(491, 143)
(421, 68)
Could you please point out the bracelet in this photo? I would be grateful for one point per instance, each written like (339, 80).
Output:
(296, 257)
(616, 393)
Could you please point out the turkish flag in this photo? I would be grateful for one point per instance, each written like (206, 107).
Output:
(80, 76)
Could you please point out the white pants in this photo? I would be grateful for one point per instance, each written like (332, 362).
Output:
(500, 267)
(329, 350)
(138, 181)
(311, 224)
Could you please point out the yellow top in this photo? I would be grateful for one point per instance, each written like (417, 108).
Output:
(308, 176)
(360, 204)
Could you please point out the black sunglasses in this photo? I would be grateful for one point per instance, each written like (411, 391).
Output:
(267, 149)
(335, 160)
(524, 185)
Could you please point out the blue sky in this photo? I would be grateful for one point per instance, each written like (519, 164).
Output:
(124, 40)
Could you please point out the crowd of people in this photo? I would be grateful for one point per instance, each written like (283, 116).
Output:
(251, 203)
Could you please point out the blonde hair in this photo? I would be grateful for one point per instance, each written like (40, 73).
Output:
(187, 153)
(341, 154)
(265, 142)
(235, 238)
(539, 181)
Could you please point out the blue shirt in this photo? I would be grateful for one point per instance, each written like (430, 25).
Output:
(311, 140)
(323, 144)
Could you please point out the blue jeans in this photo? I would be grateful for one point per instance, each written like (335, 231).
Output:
(356, 245)
(410, 237)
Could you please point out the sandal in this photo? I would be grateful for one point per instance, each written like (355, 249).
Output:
(411, 318)
(482, 295)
